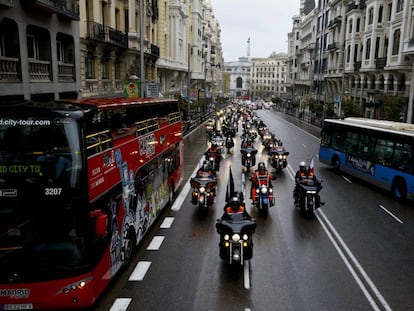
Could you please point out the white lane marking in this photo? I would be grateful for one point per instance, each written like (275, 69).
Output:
(347, 179)
(364, 275)
(181, 197)
(140, 271)
(167, 223)
(246, 274)
(391, 214)
(120, 304)
(155, 243)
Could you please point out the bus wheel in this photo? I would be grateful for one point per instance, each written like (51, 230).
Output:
(399, 189)
(129, 246)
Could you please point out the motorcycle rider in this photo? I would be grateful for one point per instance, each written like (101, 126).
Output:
(206, 170)
(214, 150)
(305, 172)
(260, 173)
(235, 207)
(247, 143)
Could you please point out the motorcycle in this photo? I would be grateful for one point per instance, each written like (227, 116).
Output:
(204, 191)
(214, 159)
(308, 199)
(236, 243)
(229, 143)
(278, 159)
(248, 157)
(262, 195)
(219, 141)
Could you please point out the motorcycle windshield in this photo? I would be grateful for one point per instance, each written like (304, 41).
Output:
(236, 224)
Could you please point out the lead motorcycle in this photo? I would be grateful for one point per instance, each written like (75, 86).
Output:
(278, 159)
(236, 243)
(204, 191)
(307, 196)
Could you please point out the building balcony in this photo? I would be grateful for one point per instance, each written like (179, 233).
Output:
(332, 47)
(40, 71)
(9, 69)
(64, 8)
(380, 63)
(408, 47)
(66, 72)
(335, 22)
(99, 32)
(155, 50)
(355, 6)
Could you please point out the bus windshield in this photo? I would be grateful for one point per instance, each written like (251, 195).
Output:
(40, 165)
(48, 153)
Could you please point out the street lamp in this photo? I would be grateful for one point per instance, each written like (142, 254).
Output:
(189, 77)
(141, 37)
(188, 80)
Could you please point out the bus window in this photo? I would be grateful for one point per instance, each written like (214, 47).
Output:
(351, 143)
(403, 157)
(383, 152)
(366, 146)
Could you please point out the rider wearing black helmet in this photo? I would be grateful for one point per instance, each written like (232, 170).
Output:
(305, 172)
(235, 206)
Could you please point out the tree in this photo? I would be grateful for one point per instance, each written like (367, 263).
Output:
(351, 108)
(392, 107)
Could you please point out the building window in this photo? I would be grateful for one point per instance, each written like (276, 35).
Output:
(391, 83)
(380, 12)
(117, 68)
(400, 6)
(348, 53)
(2, 46)
(377, 46)
(368, 49)
(389, 11)
(239, 83)
(32, 47)
(350, 26)
(90, 66)
(356, 52)
(358, 23)
(396, 42)
(370, 16)
(105, 68)
(60, 51)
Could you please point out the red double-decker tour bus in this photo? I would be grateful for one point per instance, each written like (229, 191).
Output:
(81, 181)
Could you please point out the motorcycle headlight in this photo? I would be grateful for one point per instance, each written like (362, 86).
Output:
(264, 190)
(245, 237)
(271, 145)
(280, 157)
(271, 190)
(249, 155)
(211, 159)
(236, 237)
(226, 237)
(284, 156)
(311, 191)
(257, 190)
(202, 189)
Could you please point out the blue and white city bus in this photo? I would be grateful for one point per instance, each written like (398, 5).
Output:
(377, 151)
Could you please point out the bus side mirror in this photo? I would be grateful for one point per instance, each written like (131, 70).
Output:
(101, 222)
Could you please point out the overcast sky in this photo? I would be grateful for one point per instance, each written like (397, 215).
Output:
(266, 22)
